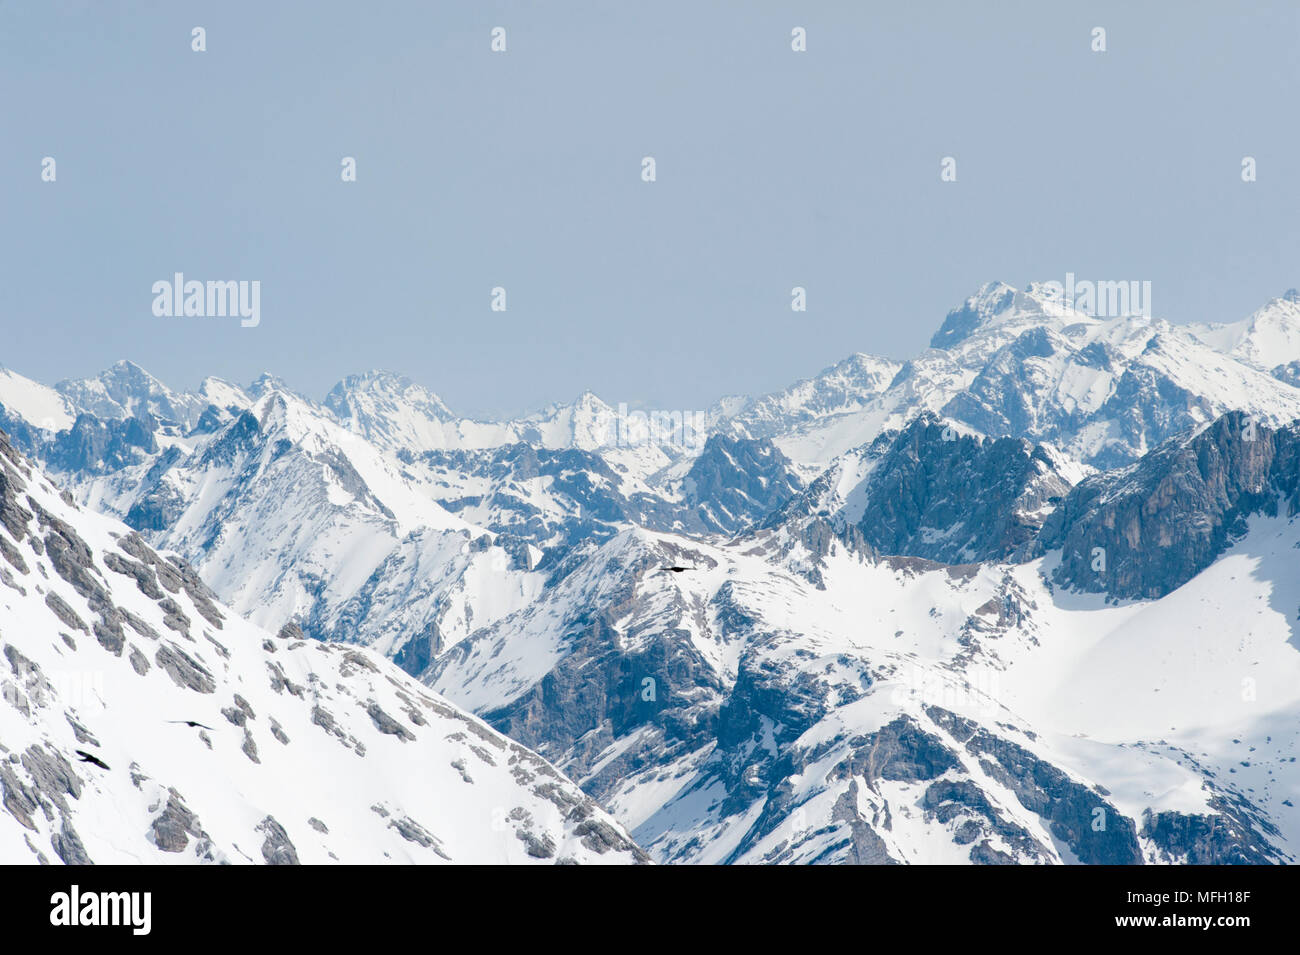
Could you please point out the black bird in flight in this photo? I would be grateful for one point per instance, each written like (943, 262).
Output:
(191, 724)
(90, 758)
(674, 569)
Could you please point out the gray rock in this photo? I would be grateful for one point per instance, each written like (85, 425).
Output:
(172, 829)
(1236, 834)
(412, 831)
(82, 734)
(67, 845)
(539, 847)
(145, 578)
(280, 680)
(139, 662)
(942, 496)
(109, 633)
(291, 631)
(184, 670)
(1145, 530)
(276, 847)
(12, 555)
(736, 482)
(65, 613)
(386, 724)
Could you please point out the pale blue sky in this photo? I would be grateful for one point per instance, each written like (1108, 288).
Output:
(522, 169)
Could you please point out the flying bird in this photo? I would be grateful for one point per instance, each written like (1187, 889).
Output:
(191, 724)
(90, 758)
(674, 569)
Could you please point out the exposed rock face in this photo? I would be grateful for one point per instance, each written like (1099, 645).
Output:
(582, 486)
(412, 831)
(97, 446)
(67, 844)
(184, 669)
(1147, 529)
(113, 757)
(662, 685)
(1231, 837)
(125, 389)
(961, 322)
(175, 825)
(932, 492)
(714, 697)
(956, 499)
(386, 724)
(1097, 832)
(997, 402)
(276, 848)
(1145, 409)
(291, 631)
(1288, 372)
(736, 482)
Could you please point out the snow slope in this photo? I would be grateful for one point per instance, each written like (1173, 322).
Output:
(1024, 364)
(289, 516)
(307, 752)
(812, 705)
(1266, 339)
(36, 404)
(781, 694)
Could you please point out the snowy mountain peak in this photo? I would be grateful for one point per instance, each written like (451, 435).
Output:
(390, 410)
(992, 297)
(273, 413)
(34, 404)
(589, 400)
(143, 722)
(266, 382)
(1268, 338)
(991, 300)
(380, 386)
(846, 387)
(592, 421)
(222, 392)
(587, 423)
(126, 390)
(999, 304)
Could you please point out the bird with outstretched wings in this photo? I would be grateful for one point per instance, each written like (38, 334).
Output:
(91, 758)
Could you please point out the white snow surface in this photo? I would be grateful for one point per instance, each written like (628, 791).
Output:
(1163, 704)
(37, 404)
(356, 761)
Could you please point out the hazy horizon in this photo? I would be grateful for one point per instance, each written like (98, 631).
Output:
(520, 169)
(319, 396)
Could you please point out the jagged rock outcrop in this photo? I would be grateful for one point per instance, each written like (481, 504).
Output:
(737, 481)
(934, 492)
(172, 745)
(1147, 529)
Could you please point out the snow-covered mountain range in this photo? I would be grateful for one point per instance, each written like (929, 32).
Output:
(143, 721)
(796, 700)
(1028, 596)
